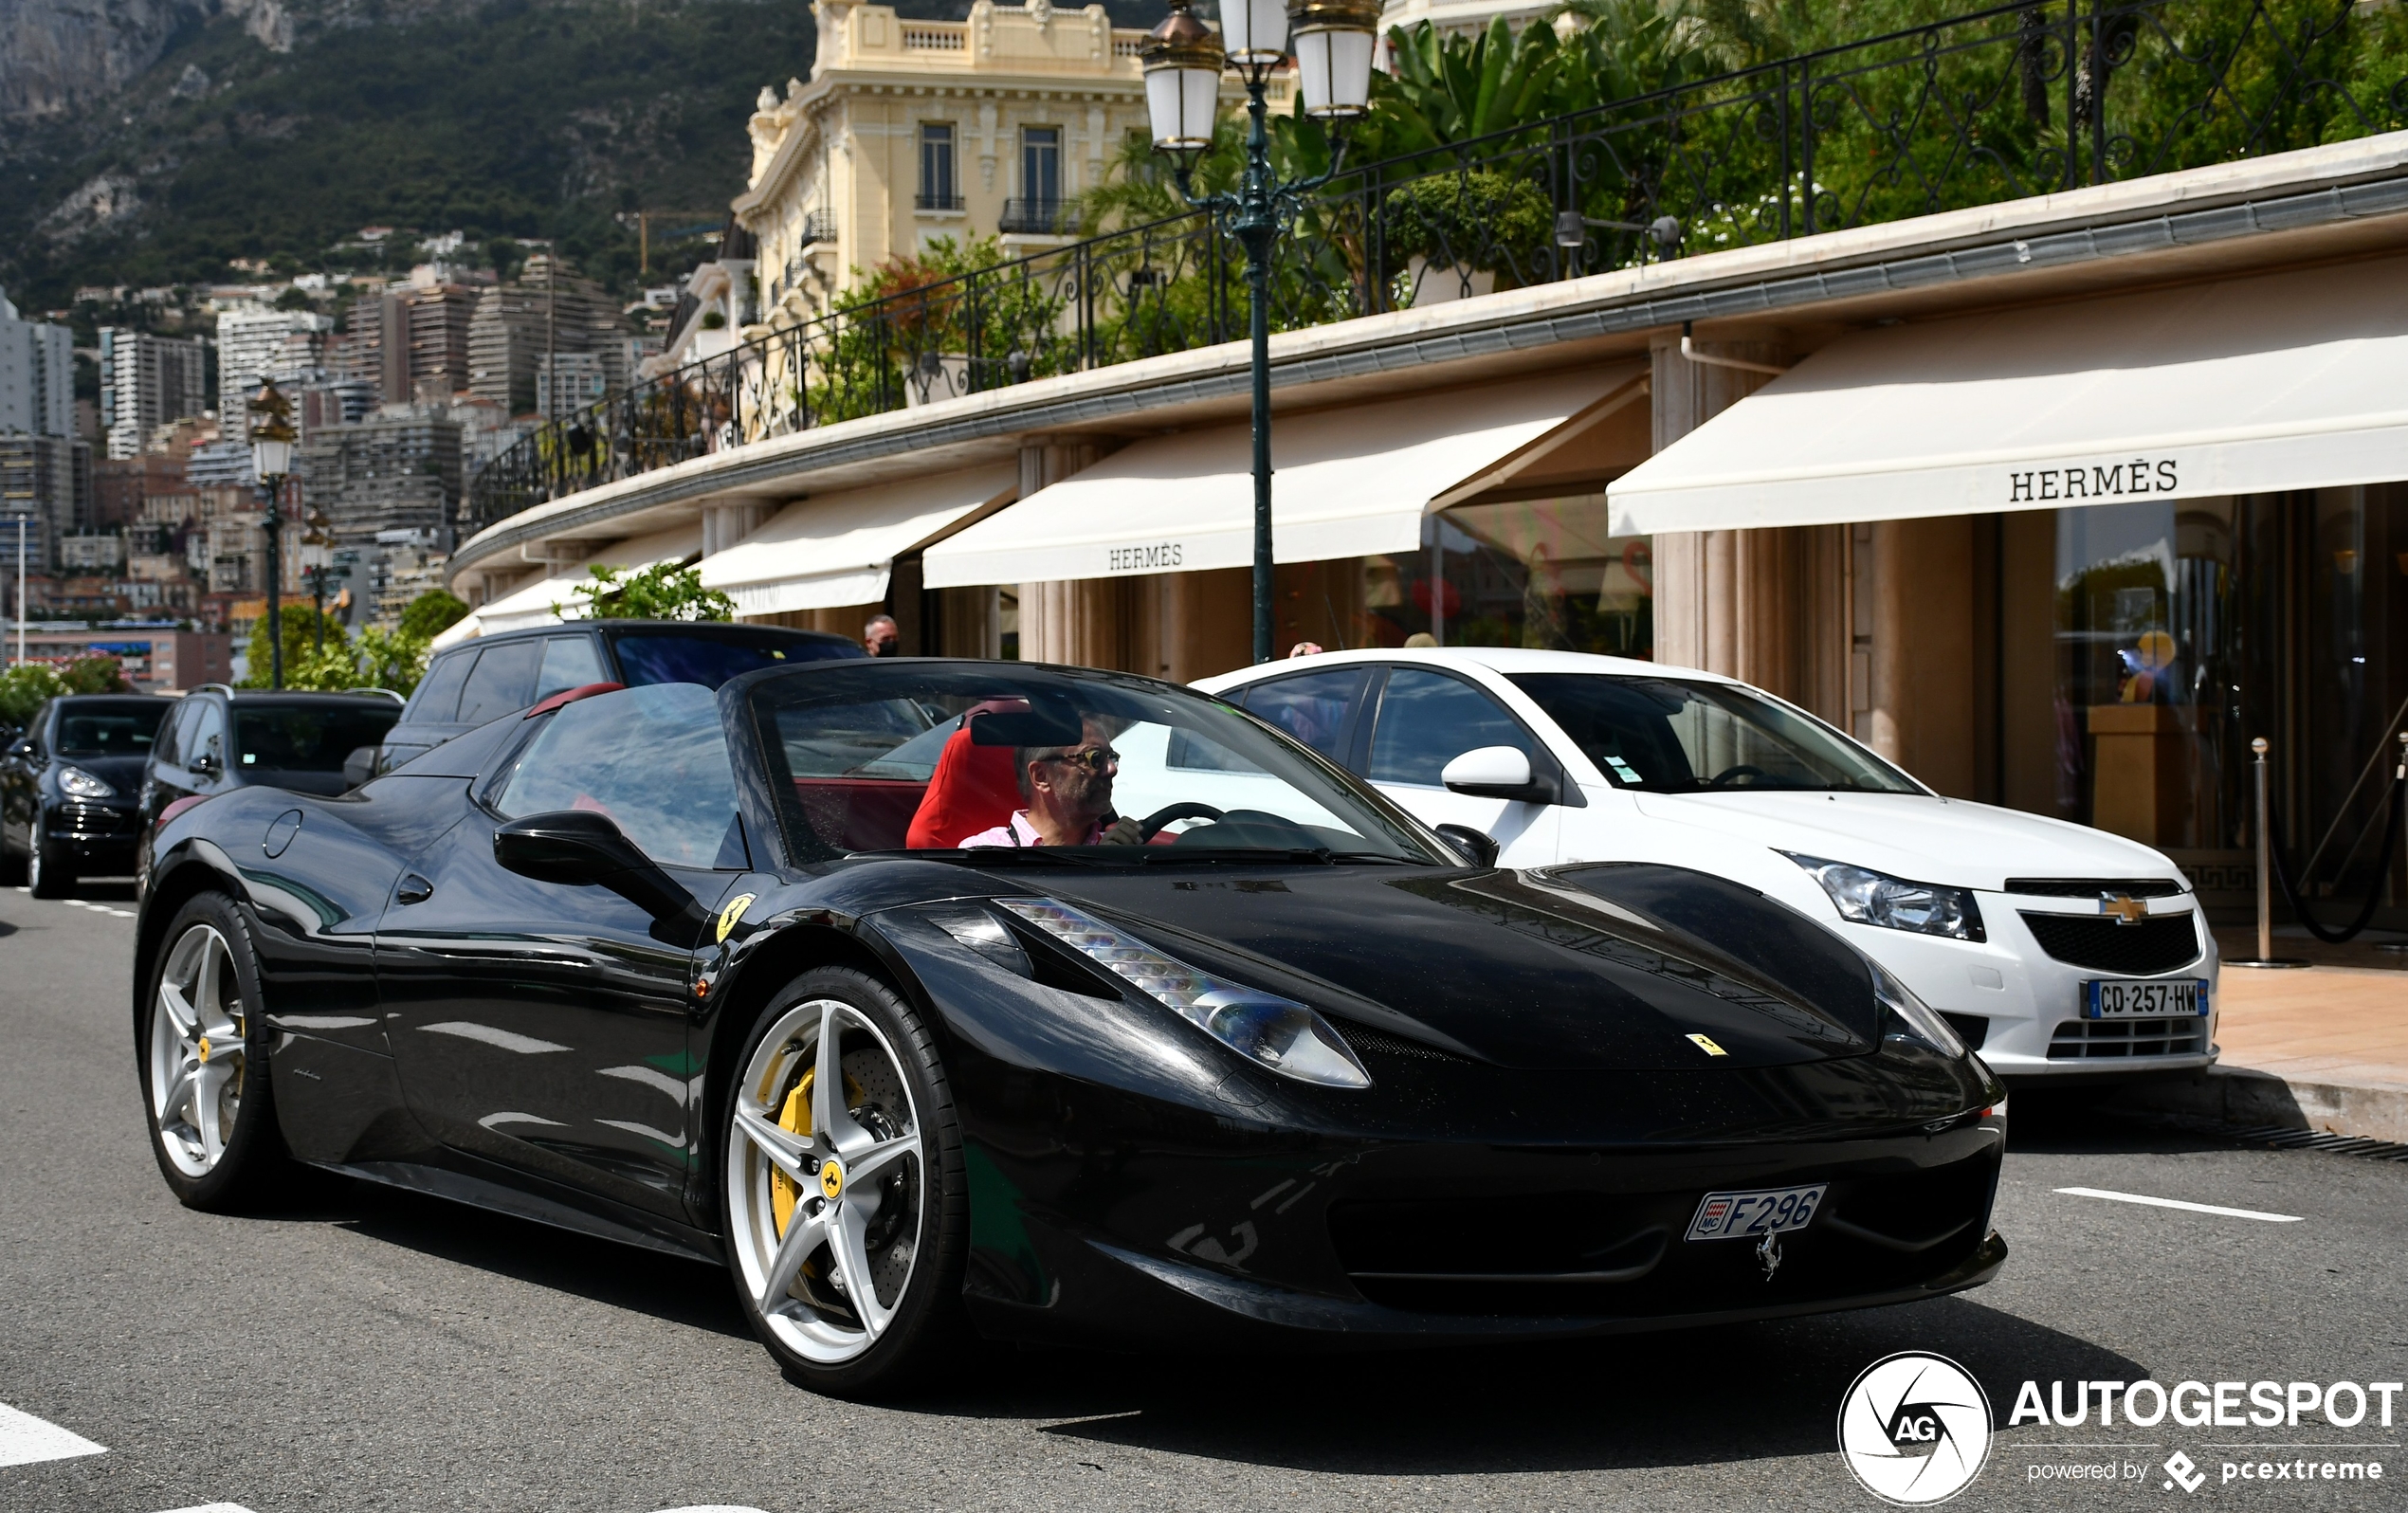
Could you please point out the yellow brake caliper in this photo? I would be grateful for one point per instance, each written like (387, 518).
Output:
(794, 1118)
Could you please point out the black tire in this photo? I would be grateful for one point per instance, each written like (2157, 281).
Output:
(253, 1169)
(12, 864)
(43, 874)
(929, 1329)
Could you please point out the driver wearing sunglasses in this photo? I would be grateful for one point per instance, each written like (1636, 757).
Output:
(1067, 794)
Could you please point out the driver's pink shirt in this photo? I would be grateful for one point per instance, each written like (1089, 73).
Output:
(1020, 833)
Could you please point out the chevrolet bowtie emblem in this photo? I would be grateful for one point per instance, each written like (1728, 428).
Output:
(2125, 909)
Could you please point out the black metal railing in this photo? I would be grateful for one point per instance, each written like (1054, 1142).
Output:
(1039, 218)
(945, 201)
(2019, 100)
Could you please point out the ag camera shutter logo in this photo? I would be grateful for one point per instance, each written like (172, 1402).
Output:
(1914, 1428)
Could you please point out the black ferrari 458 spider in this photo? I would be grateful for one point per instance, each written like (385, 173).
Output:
(940, 998)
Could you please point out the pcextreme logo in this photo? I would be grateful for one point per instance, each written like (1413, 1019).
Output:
(1914, 1428)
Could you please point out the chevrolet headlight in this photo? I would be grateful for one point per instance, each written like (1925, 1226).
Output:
(1867, 897)
(1277, 1033)
(1914, 1018)
(77, 783)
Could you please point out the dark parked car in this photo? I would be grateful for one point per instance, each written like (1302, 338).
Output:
(498, 675)
(69, 788)
(224, 738)
(776, 976)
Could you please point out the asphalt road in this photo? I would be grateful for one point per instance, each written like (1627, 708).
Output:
(367, 1349)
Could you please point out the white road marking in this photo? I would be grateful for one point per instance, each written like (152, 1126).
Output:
(25, 1439)
(2178, 1203)
(214, 1508)
(712, 1507)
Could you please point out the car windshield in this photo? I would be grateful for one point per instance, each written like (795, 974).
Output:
(307, 737)
(669, 656)
(1667, 736)
(111, 730)
(972, 760)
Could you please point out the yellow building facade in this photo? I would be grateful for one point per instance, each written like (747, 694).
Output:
(909, 130)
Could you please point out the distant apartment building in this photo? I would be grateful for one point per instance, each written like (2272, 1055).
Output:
(91, 551)
(391, 472)
(121, 487)
(146, 382)
(516, 324)
(46, 491)
(401, 565)
(219, 465)
(155, 659)
(37, 375)
(566, 382)
(256, 344)
(437, 321)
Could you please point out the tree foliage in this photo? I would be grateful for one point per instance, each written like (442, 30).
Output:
(431, 613)
(25, 687)
(664, 590)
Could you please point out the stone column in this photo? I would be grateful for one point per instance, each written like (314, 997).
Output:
(1079, 622)
(1698, 574)
(1923, 651)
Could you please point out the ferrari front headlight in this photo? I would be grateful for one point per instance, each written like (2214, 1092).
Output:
(1276, 1033)
(77, 783)
(1915, 1018)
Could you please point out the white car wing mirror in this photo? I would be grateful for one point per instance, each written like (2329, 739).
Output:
(1497, 772)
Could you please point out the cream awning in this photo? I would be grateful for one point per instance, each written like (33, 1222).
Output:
(2291, 380)
(1347, 483)
(835, 550)
(531, 603)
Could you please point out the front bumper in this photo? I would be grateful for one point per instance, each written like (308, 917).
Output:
(1374, 1249)
(93, 837)
(2026, 1004)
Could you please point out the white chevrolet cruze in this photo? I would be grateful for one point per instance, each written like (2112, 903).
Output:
(2052, 948)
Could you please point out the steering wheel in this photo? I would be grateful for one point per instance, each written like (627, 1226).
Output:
(1723, 778)
(1152, 823)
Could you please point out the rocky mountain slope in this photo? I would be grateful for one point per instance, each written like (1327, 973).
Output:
(151, 141)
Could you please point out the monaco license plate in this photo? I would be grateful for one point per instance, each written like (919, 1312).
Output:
(1766, 1210)
(2178, 998)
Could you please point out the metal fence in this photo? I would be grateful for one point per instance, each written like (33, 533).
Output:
(2019, 100)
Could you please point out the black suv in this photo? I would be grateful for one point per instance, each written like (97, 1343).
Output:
(225, 738)
(68, 787)
(480, 680)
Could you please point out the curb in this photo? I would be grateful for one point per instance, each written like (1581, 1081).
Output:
(2239, 1096)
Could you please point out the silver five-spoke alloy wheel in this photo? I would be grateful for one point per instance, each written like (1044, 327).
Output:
(198, 1055)
(827, 1191)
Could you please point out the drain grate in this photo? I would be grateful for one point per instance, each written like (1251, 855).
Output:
(2283, 1138)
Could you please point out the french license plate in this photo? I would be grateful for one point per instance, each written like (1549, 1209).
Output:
(1767, 1210)
(2178, 998)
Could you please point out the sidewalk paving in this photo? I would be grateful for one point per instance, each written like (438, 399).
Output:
(2324, 1047)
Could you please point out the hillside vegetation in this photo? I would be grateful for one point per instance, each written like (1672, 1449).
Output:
(505, 119)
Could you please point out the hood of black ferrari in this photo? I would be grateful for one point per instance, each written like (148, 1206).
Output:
(1609, 966)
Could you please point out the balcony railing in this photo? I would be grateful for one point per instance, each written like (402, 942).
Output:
(2019, 100)
(937, 202)
(1039, 218)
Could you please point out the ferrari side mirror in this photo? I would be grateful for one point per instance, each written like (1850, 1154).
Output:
(1478, 846)
(580, 848)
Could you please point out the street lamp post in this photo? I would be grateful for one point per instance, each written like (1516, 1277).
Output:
(272, 463)
(1332, 43)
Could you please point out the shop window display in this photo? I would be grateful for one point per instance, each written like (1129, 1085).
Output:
(2184, 629)
(1544, 574)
